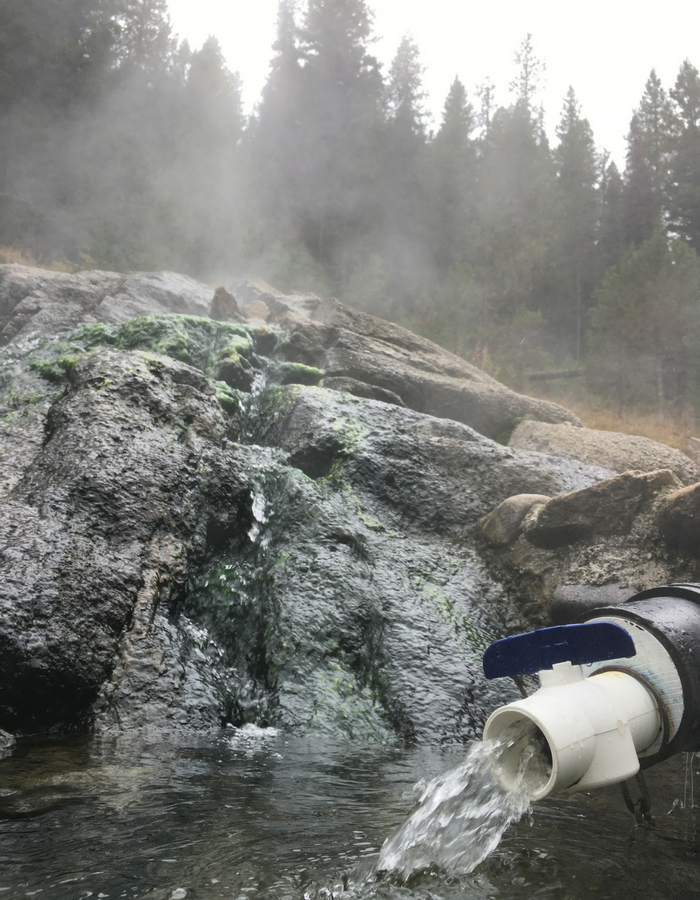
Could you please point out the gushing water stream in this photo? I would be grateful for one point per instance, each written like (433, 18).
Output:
(462, 814)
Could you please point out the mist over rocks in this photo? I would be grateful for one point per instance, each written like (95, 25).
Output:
(207, 522)
(347, 343)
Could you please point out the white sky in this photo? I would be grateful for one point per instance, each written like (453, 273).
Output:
(604, 48)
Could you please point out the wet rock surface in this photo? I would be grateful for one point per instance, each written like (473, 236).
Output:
(122, 486)
(609, 507)
(36, 301)
(209, 522)
(571, 601)
(679, 519)
(617, 452)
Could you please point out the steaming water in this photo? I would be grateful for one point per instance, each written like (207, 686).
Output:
(254, 814)
(462, 815)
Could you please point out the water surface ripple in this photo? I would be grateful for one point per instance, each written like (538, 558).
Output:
(263, 816)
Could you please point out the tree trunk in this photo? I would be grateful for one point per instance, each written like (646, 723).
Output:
(660, 396)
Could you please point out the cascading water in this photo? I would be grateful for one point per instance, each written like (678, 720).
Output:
(260, 381)
(462, 814)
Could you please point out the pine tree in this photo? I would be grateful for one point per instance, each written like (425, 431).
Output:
(143, 35)
(514, 202)
(274, 146)
(202, 190)
(401, 184)
(339, 112)
(684, 188)
(453, 163)
(645, 340)
(648, 160)
(53, 61)
(486, 93)
(528, 81)
(52, 53)
(611, 241)
(576, 222)
(404, 90)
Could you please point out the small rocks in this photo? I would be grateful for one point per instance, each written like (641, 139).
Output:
(679, 519)
(606, 508)
(224, 307)
(258, 310)
(502, 526)
(585, 548)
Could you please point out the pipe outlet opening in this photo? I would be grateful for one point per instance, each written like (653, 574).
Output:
(523, 760)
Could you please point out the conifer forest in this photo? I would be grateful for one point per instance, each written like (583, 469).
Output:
(122, 149)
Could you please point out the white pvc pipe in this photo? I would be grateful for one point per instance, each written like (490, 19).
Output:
(593, 730)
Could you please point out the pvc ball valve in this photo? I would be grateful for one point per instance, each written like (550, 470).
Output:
(619, 692)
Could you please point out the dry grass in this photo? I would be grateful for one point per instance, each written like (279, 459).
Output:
(672, 431)
(22, 258)
(13, 255)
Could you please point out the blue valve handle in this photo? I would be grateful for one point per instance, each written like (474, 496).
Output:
(537, 650)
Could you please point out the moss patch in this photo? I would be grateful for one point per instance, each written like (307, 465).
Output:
(297, 373)
(58, 370)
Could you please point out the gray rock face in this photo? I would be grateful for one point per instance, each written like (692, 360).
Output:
(33, 300)
(214, 522)
(679, 519)
(224, 306)
(609, 507)
(617, 452)
(349, 344)
(121, 487)
(571, 601)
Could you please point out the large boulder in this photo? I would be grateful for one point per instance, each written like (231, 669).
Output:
(349, 344)
(35, 300)
(124, 485)
(208, 522)
(617, 452)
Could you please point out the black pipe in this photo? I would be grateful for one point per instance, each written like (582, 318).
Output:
(671, 614)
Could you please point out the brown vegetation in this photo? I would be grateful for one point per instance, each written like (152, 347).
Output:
(673, 431)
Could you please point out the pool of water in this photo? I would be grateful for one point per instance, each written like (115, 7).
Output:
(256, 814)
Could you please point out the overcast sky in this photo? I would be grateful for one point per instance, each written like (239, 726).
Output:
(605, 49)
